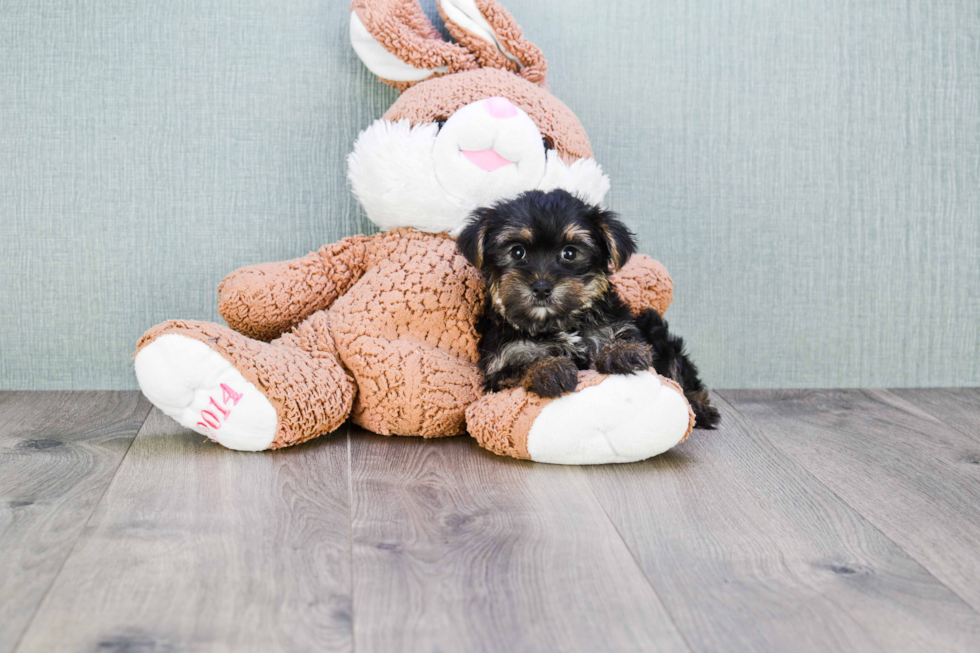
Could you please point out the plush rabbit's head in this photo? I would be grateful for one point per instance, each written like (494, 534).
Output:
(474, 124)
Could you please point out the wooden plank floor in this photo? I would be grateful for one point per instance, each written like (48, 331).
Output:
(811, 521)
(58, 453)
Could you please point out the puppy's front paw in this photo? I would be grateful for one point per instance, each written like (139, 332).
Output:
(624, 358)
(551, 377)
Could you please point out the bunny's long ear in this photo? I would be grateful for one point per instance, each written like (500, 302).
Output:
(492, 34)
(398, 43)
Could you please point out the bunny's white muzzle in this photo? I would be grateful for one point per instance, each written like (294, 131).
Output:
(431, 179)
(489, 150)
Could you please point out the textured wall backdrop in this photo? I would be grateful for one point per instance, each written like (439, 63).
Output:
(808, 171)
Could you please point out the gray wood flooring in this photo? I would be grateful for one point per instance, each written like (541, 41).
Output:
(828, 520)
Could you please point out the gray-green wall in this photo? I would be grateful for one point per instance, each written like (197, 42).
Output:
(808, 171)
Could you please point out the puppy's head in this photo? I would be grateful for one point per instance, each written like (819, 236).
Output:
(546, 256)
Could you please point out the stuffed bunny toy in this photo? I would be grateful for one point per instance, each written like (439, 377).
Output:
(381, 329)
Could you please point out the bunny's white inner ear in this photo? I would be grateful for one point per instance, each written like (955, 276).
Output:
(381, 62)
(465, 14)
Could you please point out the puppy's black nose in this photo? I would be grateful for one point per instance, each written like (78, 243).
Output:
(541, 289)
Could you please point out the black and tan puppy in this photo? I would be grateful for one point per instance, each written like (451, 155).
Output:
(551, 307)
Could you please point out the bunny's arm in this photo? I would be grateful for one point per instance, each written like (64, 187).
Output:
(263, 301)
(644, 283)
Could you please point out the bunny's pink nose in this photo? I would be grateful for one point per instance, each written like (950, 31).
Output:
(500, 107)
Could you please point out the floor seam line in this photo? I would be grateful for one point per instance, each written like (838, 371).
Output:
(81, 533)
(636, 562)
(350, 532)
(870, 522)
(928, 411)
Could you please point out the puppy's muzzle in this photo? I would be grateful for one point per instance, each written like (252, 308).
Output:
(542, 289)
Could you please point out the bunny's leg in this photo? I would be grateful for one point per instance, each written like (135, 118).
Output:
(243, 393)
(408, 387)
(607, 419)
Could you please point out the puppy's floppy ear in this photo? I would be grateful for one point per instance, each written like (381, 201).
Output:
(471, 242)
(619, 240)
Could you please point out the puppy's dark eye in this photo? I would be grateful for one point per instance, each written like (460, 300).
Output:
(518, 253)
(440, 124)
(568, 254)
(548, 145)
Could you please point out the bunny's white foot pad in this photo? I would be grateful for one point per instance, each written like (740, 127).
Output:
(202, 391)
(624, 419)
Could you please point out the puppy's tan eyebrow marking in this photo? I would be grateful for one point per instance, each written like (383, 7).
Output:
(505, 236)
(574, 233)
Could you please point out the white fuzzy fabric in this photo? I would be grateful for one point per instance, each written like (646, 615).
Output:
(381, 62)
(408, 176)
(472, 128)
(181, 376)
(583, 178)
(392, 175)
(623, 419)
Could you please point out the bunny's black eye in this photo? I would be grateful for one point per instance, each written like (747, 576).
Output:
(518, 253)
(548, 145)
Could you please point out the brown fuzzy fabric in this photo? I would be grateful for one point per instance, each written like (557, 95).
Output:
(396, 349)
(382, 328)
(263, 301)
(402, 309)
(487, 54)
(644, 283)
(299, 373)
(677, 388)
(533, 66)
(476, 70)
(501, 421)
(407, 333)
(438, 98)
(405, 31)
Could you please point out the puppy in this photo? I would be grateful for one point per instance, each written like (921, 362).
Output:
(551, 307)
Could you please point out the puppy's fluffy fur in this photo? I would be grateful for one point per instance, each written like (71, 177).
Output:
(551, 308)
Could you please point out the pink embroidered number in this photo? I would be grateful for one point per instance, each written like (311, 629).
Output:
(211, 420)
